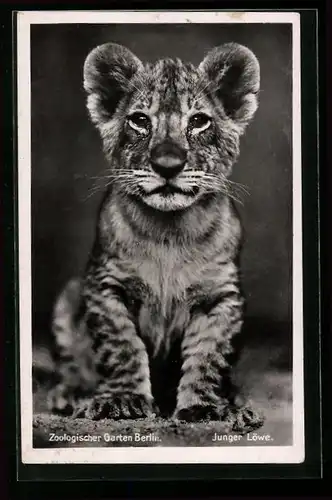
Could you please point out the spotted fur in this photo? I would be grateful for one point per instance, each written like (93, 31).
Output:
(163, 272)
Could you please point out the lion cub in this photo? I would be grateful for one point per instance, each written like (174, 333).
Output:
(163, 274)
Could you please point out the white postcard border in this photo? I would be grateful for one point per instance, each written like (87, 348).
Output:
(162, 455)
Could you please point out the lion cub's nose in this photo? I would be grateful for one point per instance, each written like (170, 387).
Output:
(168, 159)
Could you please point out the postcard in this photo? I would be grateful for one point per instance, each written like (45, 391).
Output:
(160, 237)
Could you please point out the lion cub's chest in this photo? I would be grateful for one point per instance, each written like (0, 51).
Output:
(167, 274)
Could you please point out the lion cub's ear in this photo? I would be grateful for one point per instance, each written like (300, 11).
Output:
(108, 70)
(234, 73)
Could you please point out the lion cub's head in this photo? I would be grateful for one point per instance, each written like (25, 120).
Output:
(171, 130)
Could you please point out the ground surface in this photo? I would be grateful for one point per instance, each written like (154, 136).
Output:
(259, 373)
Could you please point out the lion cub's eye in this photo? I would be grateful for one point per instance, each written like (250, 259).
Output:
(139, 122)
(199, 122)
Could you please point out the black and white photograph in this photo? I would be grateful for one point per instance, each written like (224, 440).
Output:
(160, 237)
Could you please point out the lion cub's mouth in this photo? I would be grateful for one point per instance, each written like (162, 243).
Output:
(170, 189)
(169, 197)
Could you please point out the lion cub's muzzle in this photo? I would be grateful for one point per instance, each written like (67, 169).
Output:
(168, 159)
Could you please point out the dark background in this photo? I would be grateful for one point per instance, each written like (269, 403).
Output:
(66, 155)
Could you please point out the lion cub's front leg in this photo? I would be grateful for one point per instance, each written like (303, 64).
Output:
(204, 391)
(124, 388)
(206, 348)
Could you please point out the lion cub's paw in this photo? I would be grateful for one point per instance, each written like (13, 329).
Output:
(116, 407)
(196, 413)
(245, 419)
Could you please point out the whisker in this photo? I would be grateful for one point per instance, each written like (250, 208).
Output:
(91, 193)
(218, 186)
(238, 185)
(117, 175)
(101, 185)
(209, 84)
(193, 174)
(232, 185)
(141, 92)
